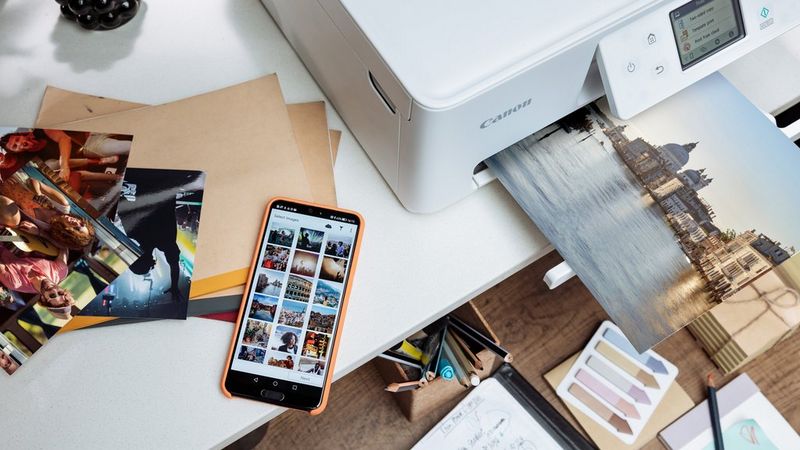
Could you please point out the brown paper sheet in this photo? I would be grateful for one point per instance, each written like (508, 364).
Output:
(336, 138)
(250, 156)
(318, 164)
(308, 119)
(674, 404)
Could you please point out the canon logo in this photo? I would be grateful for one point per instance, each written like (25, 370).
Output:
(492, 120)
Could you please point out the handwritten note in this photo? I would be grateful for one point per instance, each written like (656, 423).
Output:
(488, 418)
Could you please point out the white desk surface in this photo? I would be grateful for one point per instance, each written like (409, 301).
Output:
(156, 385)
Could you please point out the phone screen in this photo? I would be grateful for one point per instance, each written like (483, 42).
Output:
(294, 302)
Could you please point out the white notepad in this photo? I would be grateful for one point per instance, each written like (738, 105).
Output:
(489, 417)
(738, 400)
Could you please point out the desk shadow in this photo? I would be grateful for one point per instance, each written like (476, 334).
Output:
(12, 17)
(87, 50)
(252, 25)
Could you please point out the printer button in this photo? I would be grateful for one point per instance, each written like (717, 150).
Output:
(659, 69)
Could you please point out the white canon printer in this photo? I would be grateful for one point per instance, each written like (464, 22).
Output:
(431, 88)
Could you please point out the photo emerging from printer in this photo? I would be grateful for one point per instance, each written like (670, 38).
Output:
(57, 253)
(667, 214)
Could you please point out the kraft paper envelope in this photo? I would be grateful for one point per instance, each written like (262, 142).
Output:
(335, 138)
(318, 164)
(309, 123)
(308, 120)
(242, 138)
(674, 404)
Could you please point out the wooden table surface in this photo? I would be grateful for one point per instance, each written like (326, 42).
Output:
(541, 328)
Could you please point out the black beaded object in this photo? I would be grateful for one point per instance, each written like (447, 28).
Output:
(99, 14)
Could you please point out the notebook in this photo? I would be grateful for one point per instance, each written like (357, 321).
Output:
(739, 401)
(504, 411)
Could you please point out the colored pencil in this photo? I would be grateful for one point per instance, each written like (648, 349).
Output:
(600, 409)
(602, 391)
(433, 348)
(713, 410)
(626, 365)
(400, 359)
(473, 358)
(405, 386)
(445, 369)
(610, 375)
(458, 351)
(461, 359)
(481, 339)
(622, 343)
(458, 372)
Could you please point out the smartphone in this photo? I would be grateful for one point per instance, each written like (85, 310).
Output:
(286, 337)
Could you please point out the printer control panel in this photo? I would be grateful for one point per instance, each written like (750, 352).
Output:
(665, 51)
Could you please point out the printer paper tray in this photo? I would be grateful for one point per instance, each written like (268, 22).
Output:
(688, 204)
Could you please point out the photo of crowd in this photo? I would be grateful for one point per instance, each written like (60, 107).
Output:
(338, 245)
(292, 314)
(251, 354)
(256, 333)
(316, 345)
(280, 234)
(312, 366)
(327, 294)
(310, 240)
(304, 263)
(263, 308)
(286, 339)
(282, 361)
(275, 258)
(321, 319)
(160, 210)
(269, 283)
(59, 253)
(333, 269)
(298, 288)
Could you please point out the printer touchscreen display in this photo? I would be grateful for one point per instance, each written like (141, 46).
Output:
(703, 27)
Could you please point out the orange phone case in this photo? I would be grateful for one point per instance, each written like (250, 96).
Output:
(326, 387)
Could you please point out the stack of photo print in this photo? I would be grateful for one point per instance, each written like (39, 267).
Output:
(82, 234)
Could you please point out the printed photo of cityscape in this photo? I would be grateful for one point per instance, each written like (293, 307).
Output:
(667, 214)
